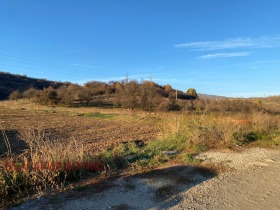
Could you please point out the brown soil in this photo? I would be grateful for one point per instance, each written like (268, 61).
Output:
(95, 132)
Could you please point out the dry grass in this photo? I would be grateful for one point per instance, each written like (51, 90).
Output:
(27, 105)
(224, 130)
(17, 183)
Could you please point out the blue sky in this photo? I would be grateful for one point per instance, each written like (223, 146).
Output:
(222, 47)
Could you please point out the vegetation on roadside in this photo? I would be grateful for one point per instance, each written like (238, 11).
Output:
(52, 164)
(186, 136)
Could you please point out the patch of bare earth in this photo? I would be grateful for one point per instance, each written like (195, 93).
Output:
(95, 133)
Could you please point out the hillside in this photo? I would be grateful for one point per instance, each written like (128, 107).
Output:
(205, 96)
(11, 82)
(127, 93)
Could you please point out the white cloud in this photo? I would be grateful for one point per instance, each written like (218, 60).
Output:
(225, 55)
(235, 43)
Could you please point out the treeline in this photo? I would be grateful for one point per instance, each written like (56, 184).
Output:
(223, 106)
(130, 94)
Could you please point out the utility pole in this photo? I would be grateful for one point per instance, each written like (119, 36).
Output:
(176, 95)
(150, 78)
(126, 78)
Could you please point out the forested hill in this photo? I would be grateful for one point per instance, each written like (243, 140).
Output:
(11, 82)
(126, 93)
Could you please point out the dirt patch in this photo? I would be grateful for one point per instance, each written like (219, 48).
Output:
(16, 144)
(96, 133)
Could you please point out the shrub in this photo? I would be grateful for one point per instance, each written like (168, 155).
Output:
(42, 149)
(15, 95)
(30, 93)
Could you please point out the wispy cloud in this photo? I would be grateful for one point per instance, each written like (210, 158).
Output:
(235, 43)
(225, 55)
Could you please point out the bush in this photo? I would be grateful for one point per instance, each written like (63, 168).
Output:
(166, 106)
(48, 96)
(245, 138)
(15, 95)
(30, 93)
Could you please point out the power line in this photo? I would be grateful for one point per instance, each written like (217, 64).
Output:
(41, 64)
(7, 62)
(50, 67)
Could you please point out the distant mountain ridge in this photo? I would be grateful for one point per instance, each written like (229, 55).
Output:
(205, 96)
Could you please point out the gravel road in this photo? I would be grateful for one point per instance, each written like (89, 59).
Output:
(253, 184)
